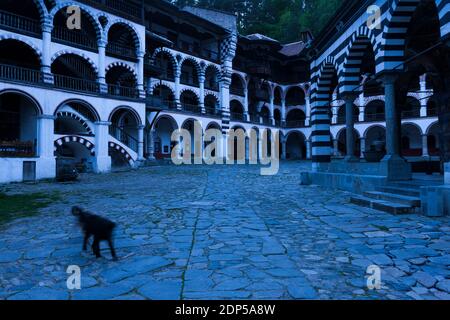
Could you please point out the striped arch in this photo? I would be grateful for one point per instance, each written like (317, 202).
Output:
(117, 148)
(216, 69)
(41, 8)
(76, 139)
(395, 32)
(444, 16)
(360, 41)
(130, 27)
(320, 120)
(190, 90)
(168, 53)
(123, 65)
(66, 114)
(76, 53)
(213, 125)
(37, 51)
(196, 63)
(167, 85)
(85, 9)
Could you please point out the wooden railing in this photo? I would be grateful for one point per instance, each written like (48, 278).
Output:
(295, 124)
(120, 91)
(76, 84)
(18, 23)
(114, 48)
(15, 73)
(191, 108)
(237, 116)
(17, 149)
(75, 38)
(213, 111)
(124, 8)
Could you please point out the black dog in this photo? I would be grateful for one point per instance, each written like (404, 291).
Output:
(99, 227)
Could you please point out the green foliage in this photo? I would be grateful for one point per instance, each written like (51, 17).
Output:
(279, 19)
(24, 205)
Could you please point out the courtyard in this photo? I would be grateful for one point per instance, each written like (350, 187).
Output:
(220, 232)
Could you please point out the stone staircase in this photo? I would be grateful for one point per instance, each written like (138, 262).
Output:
(396, 198)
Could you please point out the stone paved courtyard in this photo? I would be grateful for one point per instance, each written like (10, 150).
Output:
(222, 233)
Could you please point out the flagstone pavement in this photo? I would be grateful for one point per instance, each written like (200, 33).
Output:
(224, 232)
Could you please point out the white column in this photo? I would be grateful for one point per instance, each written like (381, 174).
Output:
(350, 125)
(363, 146)
(283, 147)
(46, 70)
(177, 87)
(308, 149)
(141, 143)
(308, 111)
(45, 143)
(151, 144)
(272, 110)
(246, 114)
(335, 115)
(336, 147)
(140, 73)
(425, 152)
(283, 112)
(102, 158)
(46, 168)
(202, 92)
(101, 66)
(225, 96)
(423, 96)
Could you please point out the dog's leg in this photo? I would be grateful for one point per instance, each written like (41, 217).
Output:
(85, 241)
(111, 247)
(96, 247)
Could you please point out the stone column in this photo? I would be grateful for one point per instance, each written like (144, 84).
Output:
(423, 96)
(392, 141)
(140, 74)
(363, 146)
(201, 79)
(102, 158)
(141, 143)
(283, 112)
(45, 147)
(350, 125)
(177, 87)
(47, 27)
(334, 118)
(283, 149)
(151, 144)
(336, 147)
(272, 110)
(246, 114)
(447, 173)
(425, 152)
(308, 111)
(101, 78)
(308, 149)
(393, 166)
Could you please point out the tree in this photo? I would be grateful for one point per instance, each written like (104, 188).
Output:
(279, 19)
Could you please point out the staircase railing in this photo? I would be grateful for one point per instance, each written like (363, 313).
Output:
(125, 138)
(114, 48)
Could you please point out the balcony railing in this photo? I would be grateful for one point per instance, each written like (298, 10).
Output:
(116, 49)
(237, 116)
(191, 108)
(120, 91)
(343, 120)
(213, 111)
(17, 149)
(237, 91)
(76, 84)
(189, 80)
(374, 117)
(15, 73)
(410, 114)
(121, 7)
(75, 38)
(295, 124)
(18, 23)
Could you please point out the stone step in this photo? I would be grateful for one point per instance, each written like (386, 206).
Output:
(383, 205)
(401, 191)
(397, 198)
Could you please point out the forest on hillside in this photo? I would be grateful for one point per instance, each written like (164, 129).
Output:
(282, 20)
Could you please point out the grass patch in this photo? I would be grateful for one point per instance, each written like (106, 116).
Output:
(24, 205)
